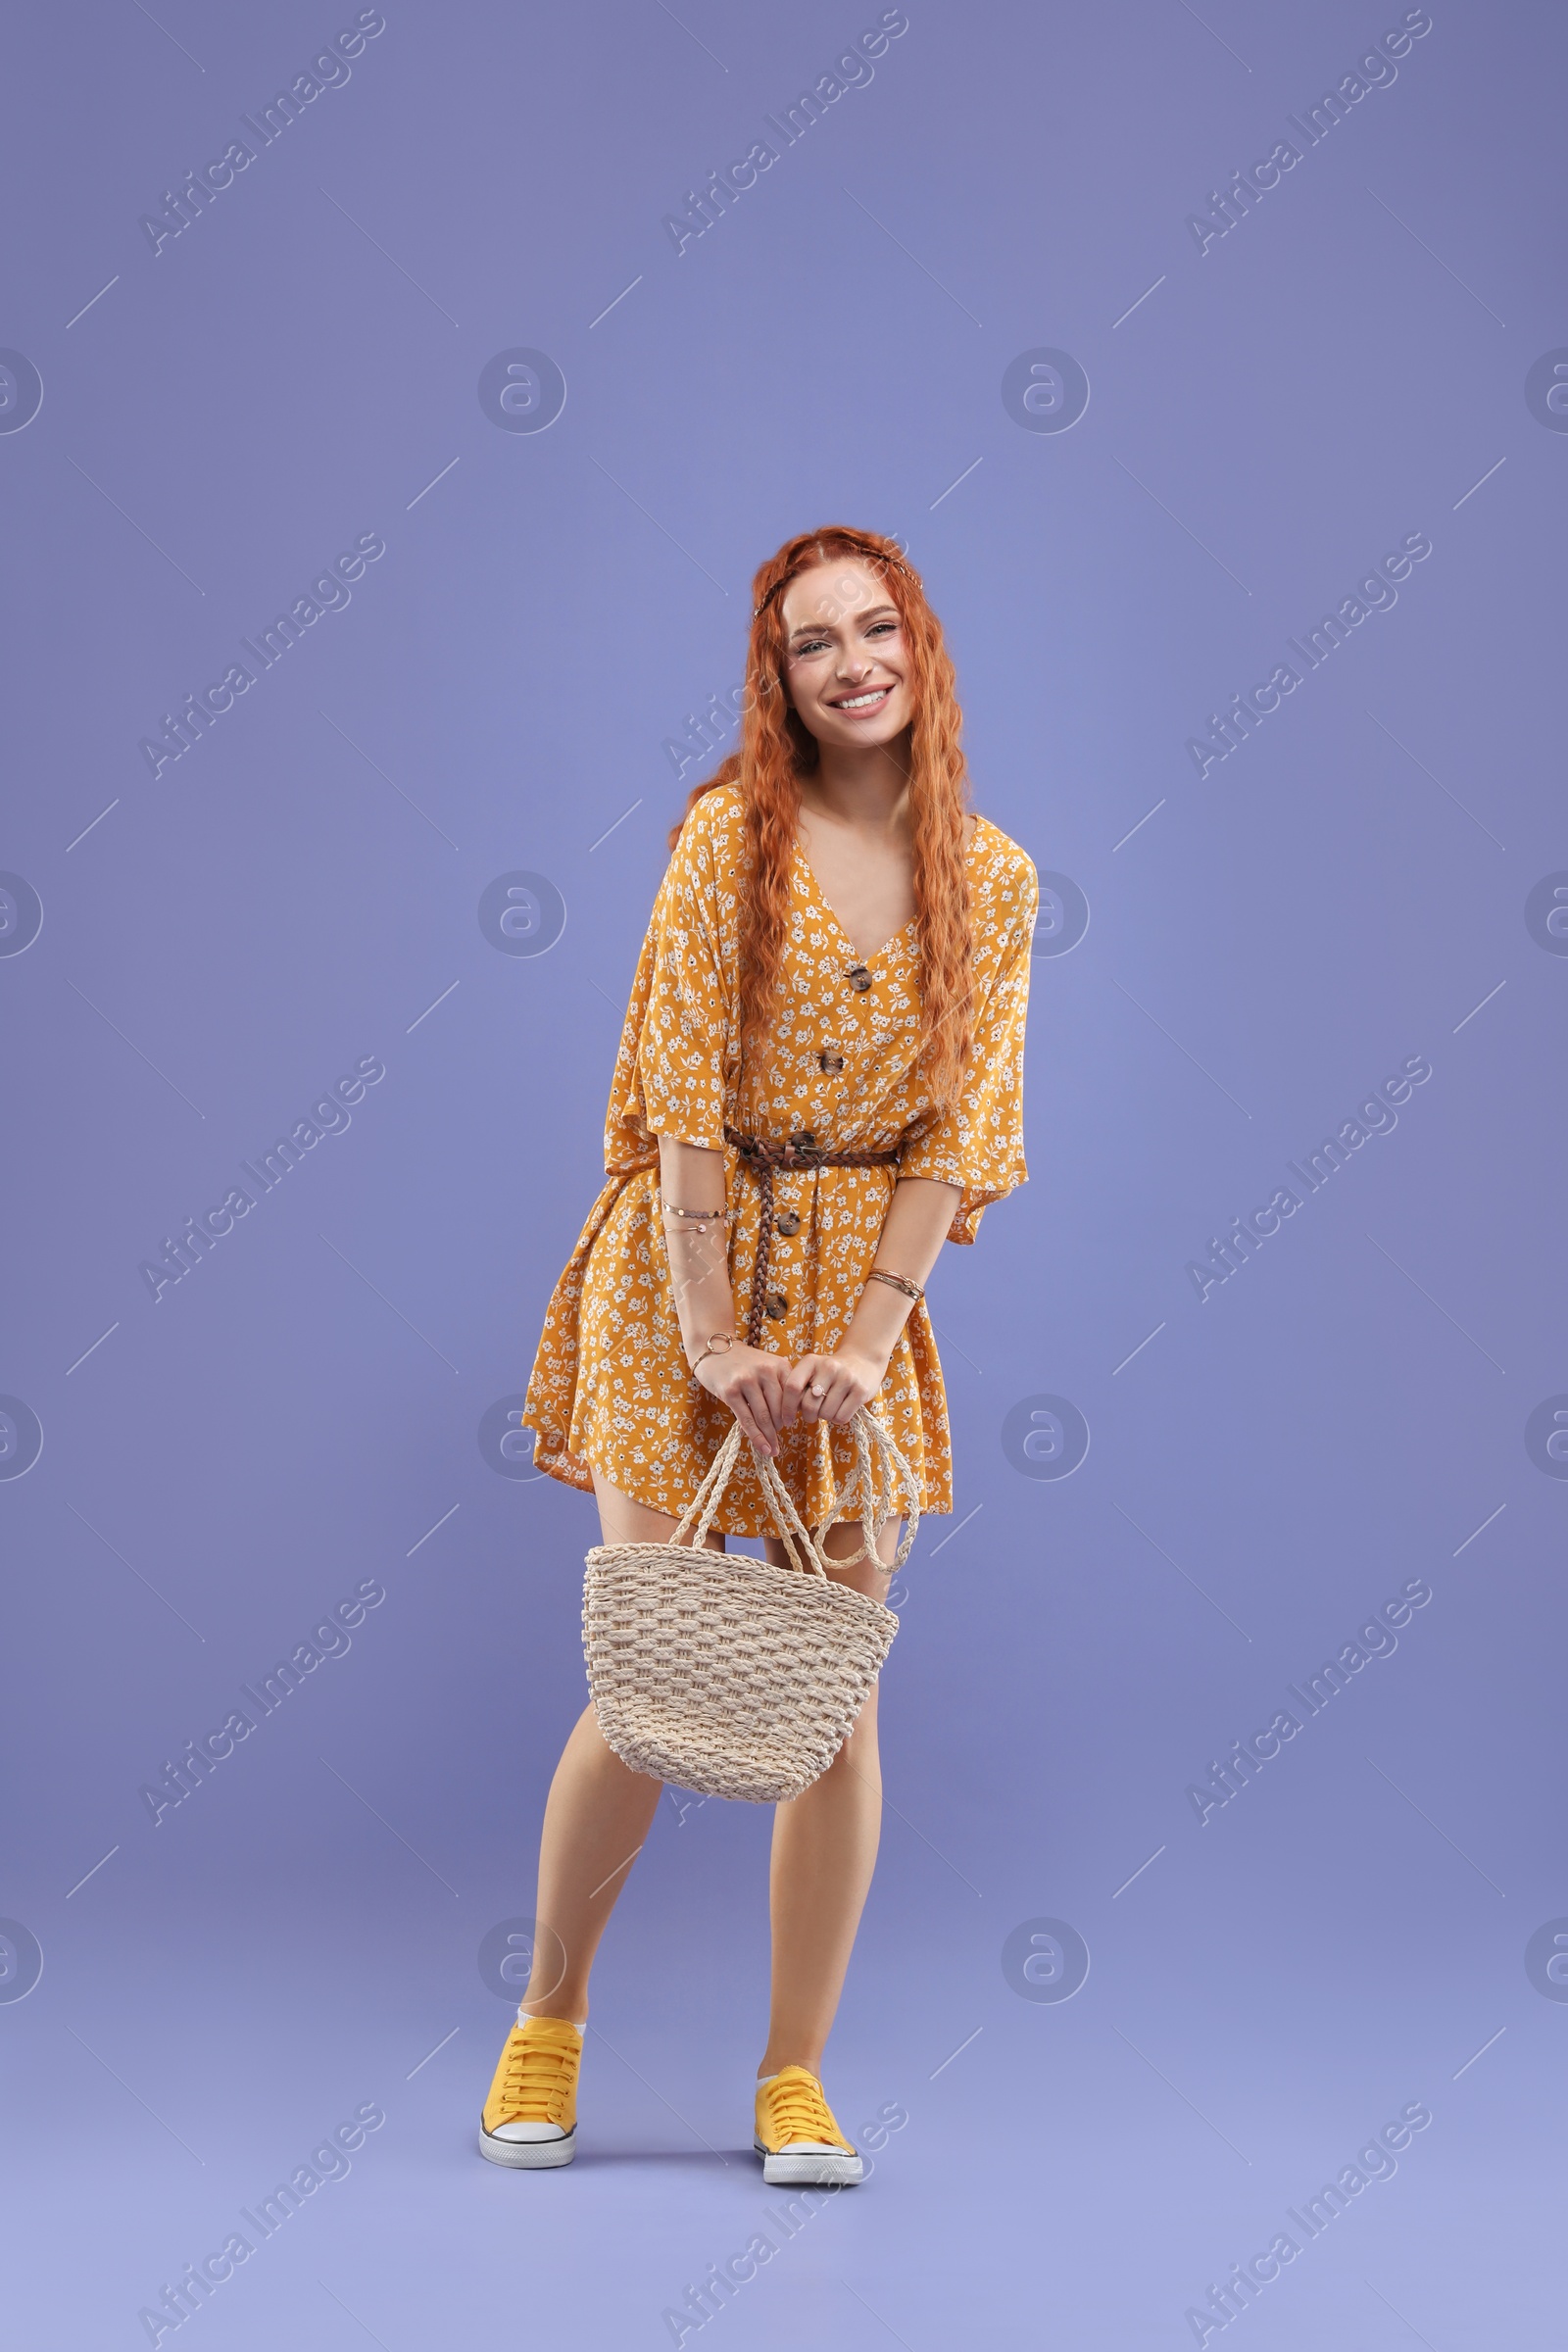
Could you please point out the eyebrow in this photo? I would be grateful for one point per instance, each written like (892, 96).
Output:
(814, 628)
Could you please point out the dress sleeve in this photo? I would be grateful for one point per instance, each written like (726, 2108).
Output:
(683, 1051)
(978, 1144)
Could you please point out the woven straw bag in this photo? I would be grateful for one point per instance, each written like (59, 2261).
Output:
(723, 1673)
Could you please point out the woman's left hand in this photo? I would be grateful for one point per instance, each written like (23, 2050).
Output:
(831, 1388)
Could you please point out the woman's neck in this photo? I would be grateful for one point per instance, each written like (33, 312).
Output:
(867, 790)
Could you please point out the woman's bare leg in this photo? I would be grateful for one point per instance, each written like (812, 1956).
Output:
(596, 1818)
(824, 1851)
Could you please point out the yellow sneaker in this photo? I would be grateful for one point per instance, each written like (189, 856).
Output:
(796, 2136)
(530, 2117)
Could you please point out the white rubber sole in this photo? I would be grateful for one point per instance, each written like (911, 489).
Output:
(809, 2168)
(528, 2155)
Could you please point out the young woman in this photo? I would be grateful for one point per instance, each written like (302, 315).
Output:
(823, 1058)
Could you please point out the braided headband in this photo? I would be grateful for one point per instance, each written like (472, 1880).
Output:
(867, 555)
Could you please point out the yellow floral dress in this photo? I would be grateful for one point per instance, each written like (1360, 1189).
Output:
(609, 1385)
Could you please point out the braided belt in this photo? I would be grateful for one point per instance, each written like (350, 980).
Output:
(802, 1150)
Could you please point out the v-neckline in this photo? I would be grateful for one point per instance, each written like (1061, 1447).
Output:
(820, 894)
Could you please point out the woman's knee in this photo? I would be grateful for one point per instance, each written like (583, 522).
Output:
(858, 1753)
(871, 1575)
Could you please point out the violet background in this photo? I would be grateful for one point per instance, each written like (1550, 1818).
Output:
(303, 1411)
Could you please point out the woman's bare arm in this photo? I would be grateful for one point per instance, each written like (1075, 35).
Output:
(749, 1380)
(913, 1231)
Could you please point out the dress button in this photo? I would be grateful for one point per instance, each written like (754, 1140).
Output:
(789, 1222)
(830, 1061)
(775, 1306)
(858, 978)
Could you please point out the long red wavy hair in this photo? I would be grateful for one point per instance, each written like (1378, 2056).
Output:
(776, 750)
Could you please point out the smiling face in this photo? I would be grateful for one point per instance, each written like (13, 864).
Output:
(846, 658)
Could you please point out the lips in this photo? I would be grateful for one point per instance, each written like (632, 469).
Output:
(871, 699)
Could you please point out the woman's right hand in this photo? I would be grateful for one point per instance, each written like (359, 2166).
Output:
(750, 1381)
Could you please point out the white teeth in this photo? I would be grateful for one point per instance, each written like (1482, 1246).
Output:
(859, 701)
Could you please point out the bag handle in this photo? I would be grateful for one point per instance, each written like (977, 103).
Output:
(865, 1491)
(781, 1506)
(870, 1486)
(710, 1490)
